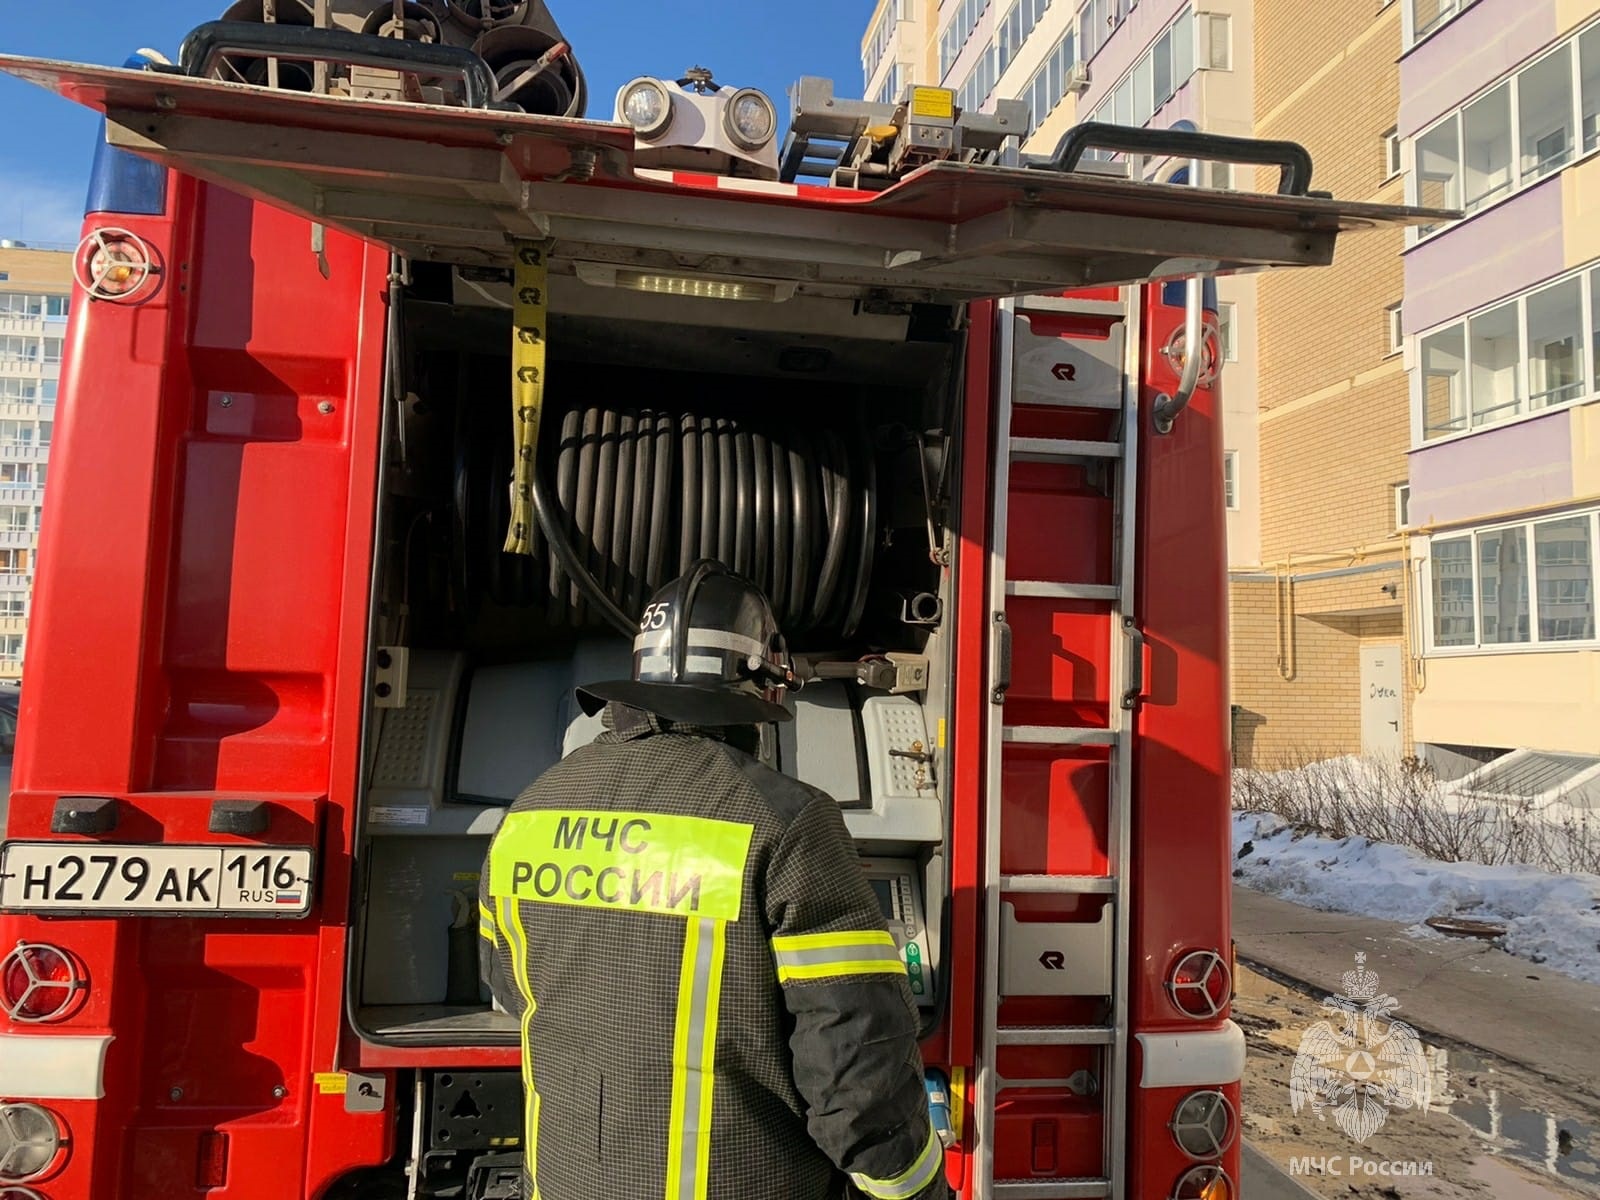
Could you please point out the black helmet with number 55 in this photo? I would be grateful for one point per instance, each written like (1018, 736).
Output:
(708, 652)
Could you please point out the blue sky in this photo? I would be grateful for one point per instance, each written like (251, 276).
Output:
(45, 156)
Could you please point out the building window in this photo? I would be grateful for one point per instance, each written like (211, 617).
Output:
(957, 33)
(1227, 327)
(1013, 31)
(1520, 131)
(1589, 87)
(1486, 148)
(1395, 328)
(878, 43)
(1163, 69)
(1503, 586)
(889, 92)
(1216, 41)
(57, 308)
(1230, 479)
(52, 349)
(48, 389)
(1392, 164)
(13, 562)
(1428, 15)
(1488, 590)
(1519, 357)
(21, 390)
(19, 349)
(1402, 505)
(1053, 79)
(13, 604)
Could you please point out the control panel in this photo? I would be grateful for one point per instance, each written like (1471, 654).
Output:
(899, 891)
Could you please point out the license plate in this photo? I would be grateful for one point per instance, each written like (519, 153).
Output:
(187, 880)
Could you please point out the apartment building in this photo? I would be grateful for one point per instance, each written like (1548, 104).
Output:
(1138, 62)
(1319, 623)
(899, 48)
(1500, 117)
(35, 287)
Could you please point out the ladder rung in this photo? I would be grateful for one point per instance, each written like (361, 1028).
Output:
(1062, 591)
(1072, 304)
(1069, 885)
(1031, 449)
(1055, 1035)
(1050, 1189)
(1083, 400)
(1058, 735)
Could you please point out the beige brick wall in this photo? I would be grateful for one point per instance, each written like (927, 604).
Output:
(1297, 696)
(1294, 38)
(1334, 407)
(1328, 467)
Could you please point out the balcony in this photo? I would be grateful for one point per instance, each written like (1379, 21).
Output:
(24, 325)
(23, 368)
(19, 539)
(24, 451)
(21, 493)
(28, 410)
(14, 582)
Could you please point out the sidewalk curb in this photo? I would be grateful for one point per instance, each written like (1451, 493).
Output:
(1458, 992)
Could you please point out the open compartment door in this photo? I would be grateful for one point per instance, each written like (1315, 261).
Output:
(458, 185)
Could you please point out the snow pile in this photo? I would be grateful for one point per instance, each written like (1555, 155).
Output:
(1400, 802)
(1551, 919)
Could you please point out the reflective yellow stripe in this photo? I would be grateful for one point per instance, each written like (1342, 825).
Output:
(517, 940)
(694, 1057)
(833, 955)
(485, 913)
(912, 1180)
(487, 933)
(831, 941)
(622, 861)
(708, 1058)
(840, 969)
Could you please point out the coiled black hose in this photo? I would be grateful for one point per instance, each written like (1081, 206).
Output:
(627, 499)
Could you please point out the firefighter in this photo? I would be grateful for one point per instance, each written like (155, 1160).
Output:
(711, 1005)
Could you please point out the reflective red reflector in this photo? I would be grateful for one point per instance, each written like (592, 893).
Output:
(211, 1167)
(1044, 1147)
(39, 982)
(1201, 984)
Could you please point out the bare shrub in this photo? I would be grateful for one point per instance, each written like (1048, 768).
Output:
(1399, 801)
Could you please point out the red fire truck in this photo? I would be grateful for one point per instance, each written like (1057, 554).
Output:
(394, 387)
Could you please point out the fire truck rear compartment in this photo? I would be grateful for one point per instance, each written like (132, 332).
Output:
(805, 443)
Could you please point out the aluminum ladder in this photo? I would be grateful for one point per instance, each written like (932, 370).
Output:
(1120, 456)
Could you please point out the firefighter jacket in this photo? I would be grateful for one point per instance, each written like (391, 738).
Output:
(711, 1005)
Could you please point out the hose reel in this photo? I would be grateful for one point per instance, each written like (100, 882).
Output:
(637, 495)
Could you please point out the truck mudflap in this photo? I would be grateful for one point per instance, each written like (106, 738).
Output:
(459, 184)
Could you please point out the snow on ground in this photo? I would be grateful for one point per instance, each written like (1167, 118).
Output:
(1550, 919)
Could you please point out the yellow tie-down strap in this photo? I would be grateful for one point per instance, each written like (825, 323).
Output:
(530, 306)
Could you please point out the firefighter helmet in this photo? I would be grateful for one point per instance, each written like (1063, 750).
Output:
(708, 652)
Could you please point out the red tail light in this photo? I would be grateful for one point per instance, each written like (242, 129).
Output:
(1200, 984)
(211, 1170)
(114, 264)
(39, 982)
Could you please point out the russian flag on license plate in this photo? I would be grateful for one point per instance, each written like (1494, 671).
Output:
(288, 898)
